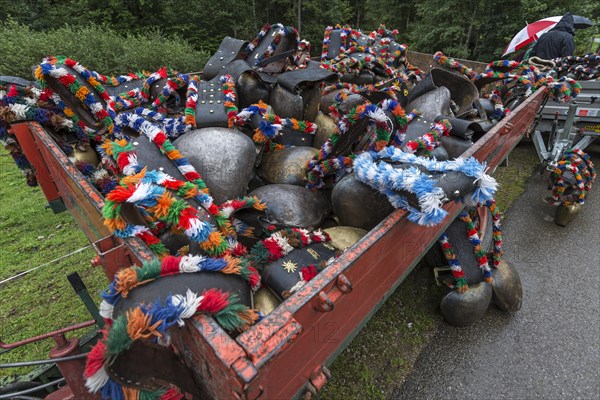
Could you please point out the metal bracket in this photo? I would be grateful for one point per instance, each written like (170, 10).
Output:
(112, 254)
(324, 303)
(343, 284)
(506, 129)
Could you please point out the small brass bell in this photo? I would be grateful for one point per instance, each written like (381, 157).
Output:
(287, 165)
(343, 237)
(326, 127)
(265, 301)
(83, 152)
(566, 214)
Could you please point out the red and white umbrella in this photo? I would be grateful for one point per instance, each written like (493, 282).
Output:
(531, 33)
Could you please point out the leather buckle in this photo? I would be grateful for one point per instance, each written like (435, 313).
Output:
(442, 275)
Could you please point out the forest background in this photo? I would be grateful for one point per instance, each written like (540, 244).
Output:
(116, 36)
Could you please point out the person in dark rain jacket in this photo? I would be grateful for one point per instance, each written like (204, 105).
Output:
(557, 42)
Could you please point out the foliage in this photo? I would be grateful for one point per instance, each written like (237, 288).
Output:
(480, 29)
(97, 47)
(474, 29)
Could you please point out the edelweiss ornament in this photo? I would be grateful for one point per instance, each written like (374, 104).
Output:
(289, 266)
(287, 275)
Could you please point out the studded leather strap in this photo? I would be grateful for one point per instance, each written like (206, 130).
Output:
(210, 110)
(229, 50)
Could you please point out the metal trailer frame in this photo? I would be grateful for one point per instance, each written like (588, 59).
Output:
(565, 138)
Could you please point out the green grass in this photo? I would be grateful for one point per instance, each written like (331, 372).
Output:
(96, 47)
(383, 353)
(376, 362)
(42, 300)
(521, 164)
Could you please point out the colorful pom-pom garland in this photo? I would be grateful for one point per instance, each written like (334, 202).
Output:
(271, 125)
(152, 322)
(388, 180)
(379, 129)
(451, 63)
(460, 282)
(527, 75)
(580, 165)
(280, 31)
(130, 278)
(430, 139)
(100, 107)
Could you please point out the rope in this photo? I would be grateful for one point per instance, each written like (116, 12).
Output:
(45, 264)
(33, 389)
(43, 362)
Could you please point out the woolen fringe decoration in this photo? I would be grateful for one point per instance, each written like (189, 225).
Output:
(229, 100)
(451, 63)
(271, 125)
(281, 243)
(140, 96)
(475, 240)
(458, 273)
(302, 55)
(561, 90)
(378, 53)
(169, 89)
(152, 322)
(379, 129)
(151, 192)
(582, 68)
(130, 278)
(191, 101)
(497, 231)
(388, 180)
(524, 73)
(172, 127)
(430, 139)
(580, 165)
(280, 32)
(28, 104)
(473, 235)
(100, 107)
(124, 154)
(306, 274)
(348, 38)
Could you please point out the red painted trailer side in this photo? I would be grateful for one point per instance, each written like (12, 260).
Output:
(287, 353)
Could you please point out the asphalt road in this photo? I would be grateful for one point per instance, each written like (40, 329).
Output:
(550, 349)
